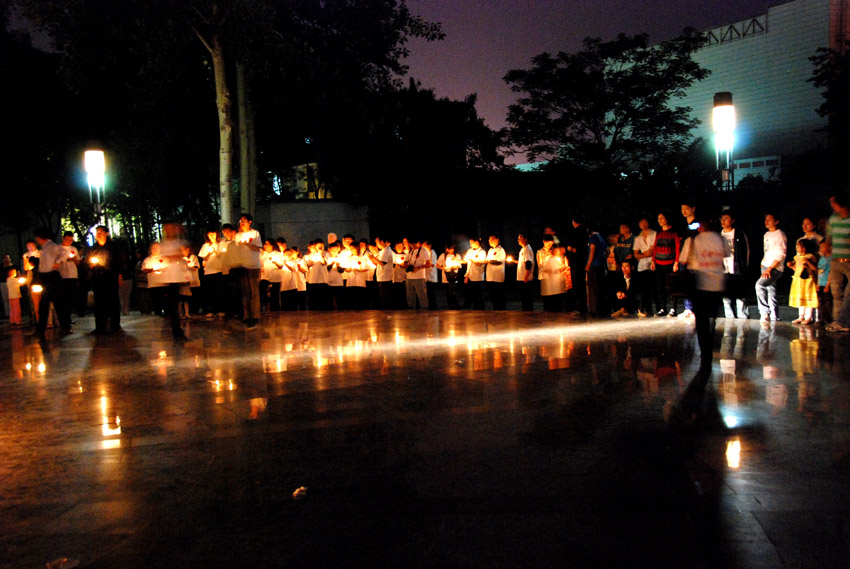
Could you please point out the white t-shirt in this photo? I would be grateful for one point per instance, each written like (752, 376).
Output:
(334, 274)
(707, 261)
(175, 269)
(399, 272)
(272, 260)
(357, 269)
(542, 256)
(432, 272)
(193, 265)
(526, 254)
(644, 244)
(449, 263)
(385, 272)
(212, 262)
(287, 274)
(475, 270)
(417, 258)
(251, 258)
(317, 269)
(775, 249)
(68, 269)
(553, 281)
(496, 273)
(156, 263)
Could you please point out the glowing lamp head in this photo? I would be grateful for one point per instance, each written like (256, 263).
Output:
(94, 162)
(723, 121)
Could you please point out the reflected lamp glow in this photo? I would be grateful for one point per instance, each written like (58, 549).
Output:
(94, 162)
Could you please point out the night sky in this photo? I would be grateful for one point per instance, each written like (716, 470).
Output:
(486, 38)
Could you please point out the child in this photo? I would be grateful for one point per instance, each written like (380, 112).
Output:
(804, 290)
(14, 288)
(824, 294)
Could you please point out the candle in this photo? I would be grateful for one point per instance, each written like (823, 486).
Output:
(94, 261)
(22, 280)
(509, 259)
(37, 288)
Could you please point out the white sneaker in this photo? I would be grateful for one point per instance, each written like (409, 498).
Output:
(672, 313)
(641, 314)
(686, 314)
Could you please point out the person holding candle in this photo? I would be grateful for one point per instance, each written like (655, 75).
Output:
(383, 261)
(525, 273)
(399, 277)
(70, 276)
(270, 277)
(105, 270)
(476, 261)
(495, 273)
(317, 276)
(152, 266)
(336, 286)
(50, 258)
(175, 274)
(211, 285)
(13, 288)
(431, 275)
(450, 264)
(250, 240)
(356, 287)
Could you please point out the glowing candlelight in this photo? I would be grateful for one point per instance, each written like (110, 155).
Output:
(37, 288)
(22, 280)
(509, 259)
(95, 261)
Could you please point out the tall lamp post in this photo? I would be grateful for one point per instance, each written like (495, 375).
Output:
(95, 165)
(723, 123)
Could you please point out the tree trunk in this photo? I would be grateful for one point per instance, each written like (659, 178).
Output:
(225, 130)
(247, 145)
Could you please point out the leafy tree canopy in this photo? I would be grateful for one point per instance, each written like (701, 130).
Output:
(608, 106)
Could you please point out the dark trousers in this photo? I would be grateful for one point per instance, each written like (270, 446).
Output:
(645, 284)
(662, 276)
(474, 295)
(705, 306)
(107, 304)
(497, 295)
(250, 286)
(451, 295)
(213, 293)
(171, 299)
(270, 295)
(68, 292)
(553, 303)
(385, 292)
(431, 290)
(596, 291)
(526, 293)
(51, 284)
(579, 277)
(317, 296)
(289, 300)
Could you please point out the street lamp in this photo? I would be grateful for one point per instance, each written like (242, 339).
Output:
(723, 124)
(95, 165)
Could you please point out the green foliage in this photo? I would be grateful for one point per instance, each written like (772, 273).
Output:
(832, 74)
(607, 106)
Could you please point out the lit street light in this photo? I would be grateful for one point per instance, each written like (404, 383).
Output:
(723, 124)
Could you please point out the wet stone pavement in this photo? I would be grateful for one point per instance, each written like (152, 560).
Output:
(442, 439)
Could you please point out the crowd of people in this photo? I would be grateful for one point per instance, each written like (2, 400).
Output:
(235, 273)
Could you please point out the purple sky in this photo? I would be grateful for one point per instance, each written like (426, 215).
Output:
(486, 38)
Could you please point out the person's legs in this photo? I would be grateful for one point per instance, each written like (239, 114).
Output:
(766, 294)
(839, 284)
(421, 293)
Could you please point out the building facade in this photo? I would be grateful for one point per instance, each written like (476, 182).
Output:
(764, 62)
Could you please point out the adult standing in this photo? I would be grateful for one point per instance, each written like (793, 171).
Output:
(577, 259)
(211, 285)
(384, 271)
(50, 259)
(735, 262)
(70, 278)
(525, 273)
(104, 269)
(772, 265)
(249, 239)
(174, 274)
(431, 275)
(838, 240)
(495, 275)
(594, 270)
(706, 262)
(644, 250)
(416, 264)
(664, 261)
(476, 261)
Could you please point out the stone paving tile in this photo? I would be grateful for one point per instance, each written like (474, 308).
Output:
(425, 440)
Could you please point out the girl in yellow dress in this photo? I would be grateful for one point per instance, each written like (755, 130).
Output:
(804, 289)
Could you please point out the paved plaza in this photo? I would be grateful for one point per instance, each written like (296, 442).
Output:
(425, 439)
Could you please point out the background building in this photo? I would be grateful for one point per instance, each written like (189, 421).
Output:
(764, 62)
